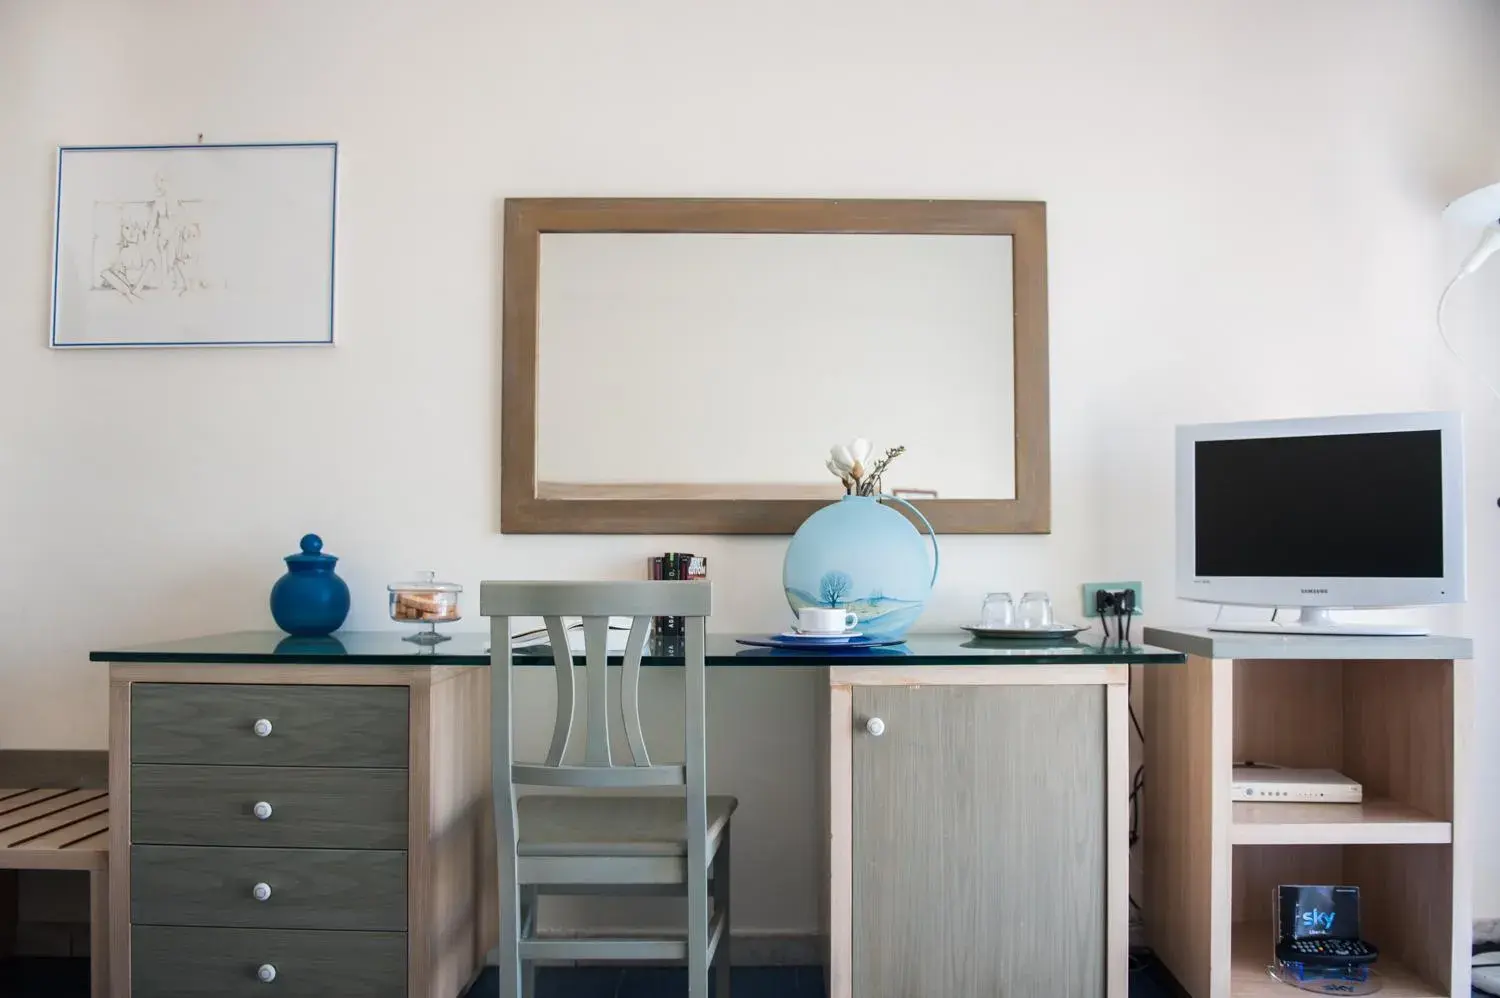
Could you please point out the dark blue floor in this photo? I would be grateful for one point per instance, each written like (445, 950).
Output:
(659, 982)
(43, 977)
(47, 977)
(748, 982)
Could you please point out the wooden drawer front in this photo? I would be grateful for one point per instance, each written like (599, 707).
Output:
(172, 962)
(315, 808)
(214, 724)
(310, 888)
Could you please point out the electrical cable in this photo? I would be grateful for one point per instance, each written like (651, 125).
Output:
(1137, 779)
(1443, 333)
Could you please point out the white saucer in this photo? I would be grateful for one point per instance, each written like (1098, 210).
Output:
(820, 635)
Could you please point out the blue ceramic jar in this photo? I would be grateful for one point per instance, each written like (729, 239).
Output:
(861, 555)
(310, 600)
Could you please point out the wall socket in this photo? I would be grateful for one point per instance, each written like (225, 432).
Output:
(1091, 588)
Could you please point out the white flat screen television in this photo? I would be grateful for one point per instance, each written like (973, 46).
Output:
(1348, 512)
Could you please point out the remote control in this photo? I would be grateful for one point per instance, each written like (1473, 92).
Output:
(1331, 952)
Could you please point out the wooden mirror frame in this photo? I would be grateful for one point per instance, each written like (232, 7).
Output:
(523, 511)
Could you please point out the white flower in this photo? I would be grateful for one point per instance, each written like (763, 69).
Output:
(839, 455)
(860, 449)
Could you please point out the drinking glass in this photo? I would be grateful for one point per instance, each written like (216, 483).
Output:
(1035, 610)
(998, 611)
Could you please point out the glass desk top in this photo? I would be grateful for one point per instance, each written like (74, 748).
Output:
(472, 648)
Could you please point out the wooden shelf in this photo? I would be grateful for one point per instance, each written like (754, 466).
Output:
(1374, 822)
(1250, 954)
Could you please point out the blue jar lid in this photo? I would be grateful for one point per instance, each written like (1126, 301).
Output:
(311, 554)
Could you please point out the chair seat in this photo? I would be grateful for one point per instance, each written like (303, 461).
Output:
(555, 825)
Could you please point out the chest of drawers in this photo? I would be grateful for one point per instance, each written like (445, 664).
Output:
(322, 830)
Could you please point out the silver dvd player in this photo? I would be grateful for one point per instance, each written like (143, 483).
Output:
(1272, 784)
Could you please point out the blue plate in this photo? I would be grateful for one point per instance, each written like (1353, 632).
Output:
(819, 644)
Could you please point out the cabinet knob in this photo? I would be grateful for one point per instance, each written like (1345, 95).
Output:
(875, 726)
(261, 891)
(262, 727)
(262, 810)
(266, 972)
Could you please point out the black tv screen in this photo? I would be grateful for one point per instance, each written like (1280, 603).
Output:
(1357, 505)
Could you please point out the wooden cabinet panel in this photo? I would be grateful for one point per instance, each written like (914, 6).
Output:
(979, 842)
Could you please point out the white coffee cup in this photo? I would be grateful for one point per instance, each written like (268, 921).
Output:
(821, 620)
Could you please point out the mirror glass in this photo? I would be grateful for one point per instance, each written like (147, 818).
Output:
(724, 365)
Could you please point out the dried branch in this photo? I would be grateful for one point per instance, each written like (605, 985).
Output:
(872, 480)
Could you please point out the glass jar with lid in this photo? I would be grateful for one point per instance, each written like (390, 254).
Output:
(425, 601)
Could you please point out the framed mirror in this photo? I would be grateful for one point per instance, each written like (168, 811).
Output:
(682, 366)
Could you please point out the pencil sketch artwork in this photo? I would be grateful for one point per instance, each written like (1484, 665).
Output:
(195, 245)
(154, 246)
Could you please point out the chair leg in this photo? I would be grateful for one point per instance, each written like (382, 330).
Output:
(721, 903)
(694, 756)
(530, 913)
(503, 800)
(511, 916)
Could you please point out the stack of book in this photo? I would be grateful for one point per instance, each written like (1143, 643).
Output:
(674, 565)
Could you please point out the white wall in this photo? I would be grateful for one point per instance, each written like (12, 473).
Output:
(1243, 202)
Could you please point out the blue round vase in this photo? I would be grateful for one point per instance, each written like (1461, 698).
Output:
(310, 600)
(861, 555)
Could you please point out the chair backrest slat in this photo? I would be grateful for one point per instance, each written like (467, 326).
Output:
(595, 603)
(595, 650)
(630, 690)
(562, 663)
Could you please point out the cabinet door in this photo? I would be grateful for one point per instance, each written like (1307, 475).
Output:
(978, 840)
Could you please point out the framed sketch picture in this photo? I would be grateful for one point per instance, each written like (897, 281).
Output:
(194, 245)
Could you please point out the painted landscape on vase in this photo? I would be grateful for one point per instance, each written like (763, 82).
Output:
(878, 614)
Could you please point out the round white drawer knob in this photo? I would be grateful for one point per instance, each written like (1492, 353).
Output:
(262, 810)
(875, 726)
(261, 892)
(262, 727)
(266, 973)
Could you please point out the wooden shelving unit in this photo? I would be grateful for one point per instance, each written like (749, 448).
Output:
(1391, 713)
(1248, 977)
(1374, 822)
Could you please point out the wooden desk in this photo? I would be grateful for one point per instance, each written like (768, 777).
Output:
(990, 817)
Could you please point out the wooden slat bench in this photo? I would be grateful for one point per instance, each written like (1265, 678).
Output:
(59, 830)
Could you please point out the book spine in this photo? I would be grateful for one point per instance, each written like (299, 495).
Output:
(679, 625)
(654, 573)
(670, 564)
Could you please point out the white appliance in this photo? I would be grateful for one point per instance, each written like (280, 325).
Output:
(1344, 512)
(1274, 785)
(1476, 210)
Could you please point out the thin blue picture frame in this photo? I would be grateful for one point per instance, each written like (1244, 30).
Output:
(63, 151)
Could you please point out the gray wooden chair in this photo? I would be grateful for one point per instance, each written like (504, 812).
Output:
(606, 843)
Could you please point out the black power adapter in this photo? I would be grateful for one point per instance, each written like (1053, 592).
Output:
(1114, 601)
(1121, 603)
